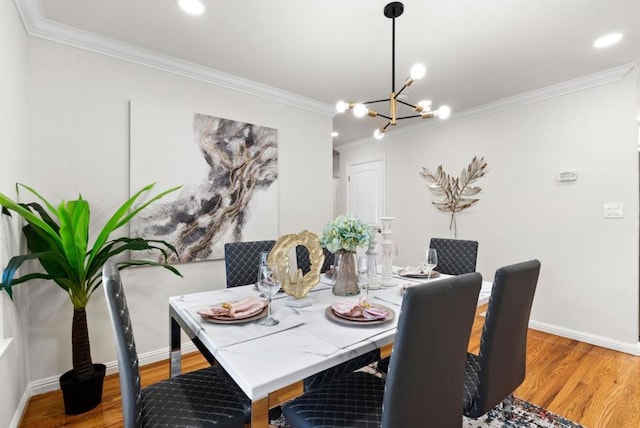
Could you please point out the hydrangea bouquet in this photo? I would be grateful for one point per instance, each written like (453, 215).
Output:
(346, 232)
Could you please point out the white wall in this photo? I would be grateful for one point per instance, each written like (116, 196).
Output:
(79, 142)
(588, 287)
(13, 151)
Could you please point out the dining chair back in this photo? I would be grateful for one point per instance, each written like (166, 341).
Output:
(304, 264)
(242, 259)
(333, 373)
(206, 397)
(426, 372)
(455, 256)
(493, 375)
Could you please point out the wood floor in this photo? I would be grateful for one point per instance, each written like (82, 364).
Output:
(596, 387)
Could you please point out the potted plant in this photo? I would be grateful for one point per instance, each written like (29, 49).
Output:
(59, 239)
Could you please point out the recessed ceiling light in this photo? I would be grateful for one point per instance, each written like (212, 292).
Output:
(334, 134)
(192, 7)
(607, 40)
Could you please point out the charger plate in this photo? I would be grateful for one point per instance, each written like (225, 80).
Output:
(228, 320)
(405, 274)
(343, 319)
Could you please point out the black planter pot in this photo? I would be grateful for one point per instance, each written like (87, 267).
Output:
(82, 395)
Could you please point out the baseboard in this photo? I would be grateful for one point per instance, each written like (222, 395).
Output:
(604, 342)
(52, 383)
(22, 406)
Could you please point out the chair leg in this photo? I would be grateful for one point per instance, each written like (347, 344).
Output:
(507, 407)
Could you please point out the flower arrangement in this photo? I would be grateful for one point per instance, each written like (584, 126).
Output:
(346, 232)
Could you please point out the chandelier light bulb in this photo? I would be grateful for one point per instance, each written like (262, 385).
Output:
(192, 7)
(360, 110)
(425, 104)
(378, 134)
(418, 71)
(444, 112)
(342, 106)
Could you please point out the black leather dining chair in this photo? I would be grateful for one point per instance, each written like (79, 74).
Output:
(206, 397)
(319, 379)
(242, 259)
(304, 264)
(493, 375)
(455, 256)
(426, 372)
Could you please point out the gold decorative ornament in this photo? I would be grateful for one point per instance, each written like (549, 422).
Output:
(455, 193)
(297, 285)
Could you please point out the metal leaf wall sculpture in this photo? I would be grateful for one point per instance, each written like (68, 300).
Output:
(456, 194)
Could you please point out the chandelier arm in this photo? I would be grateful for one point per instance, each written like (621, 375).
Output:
(382, 115)
(407, 104)
(376, 101)
(402, 89)
(406, 117)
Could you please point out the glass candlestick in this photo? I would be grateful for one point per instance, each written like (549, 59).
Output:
(371, 254)
(387, 251)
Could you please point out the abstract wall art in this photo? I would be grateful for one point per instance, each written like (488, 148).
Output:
(228, 170)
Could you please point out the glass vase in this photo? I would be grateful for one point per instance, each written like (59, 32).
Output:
(346, 274)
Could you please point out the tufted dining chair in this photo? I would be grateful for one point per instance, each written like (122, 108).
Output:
(304, 264)
(426, 372)
(242, 259)
(202, 398)
(455, 256)
(319, 379)
(493, 375)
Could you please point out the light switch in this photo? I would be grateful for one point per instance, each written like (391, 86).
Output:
(614, 210)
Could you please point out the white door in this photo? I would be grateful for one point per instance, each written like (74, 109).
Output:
(366, 197)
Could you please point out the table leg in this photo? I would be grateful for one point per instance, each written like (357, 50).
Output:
(260, 413)
(175, 356)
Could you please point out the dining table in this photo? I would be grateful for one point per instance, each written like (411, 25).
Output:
(269, 363)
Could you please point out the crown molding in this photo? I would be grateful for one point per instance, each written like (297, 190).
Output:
(578, 84)
(37, 25)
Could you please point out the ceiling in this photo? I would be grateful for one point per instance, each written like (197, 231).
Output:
(475, 51)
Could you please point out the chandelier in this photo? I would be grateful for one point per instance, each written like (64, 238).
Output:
(422, 109)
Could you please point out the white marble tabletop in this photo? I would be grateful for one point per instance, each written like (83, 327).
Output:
(264, 359)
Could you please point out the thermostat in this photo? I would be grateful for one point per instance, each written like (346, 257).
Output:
(568, 176)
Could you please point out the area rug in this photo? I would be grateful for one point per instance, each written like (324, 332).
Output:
(524, 415)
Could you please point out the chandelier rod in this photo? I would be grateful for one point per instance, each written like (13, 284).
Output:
(393, 54)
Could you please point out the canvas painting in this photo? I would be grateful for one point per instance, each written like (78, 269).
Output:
(228, 171)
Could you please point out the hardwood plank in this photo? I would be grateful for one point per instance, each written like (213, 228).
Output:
(596, 387)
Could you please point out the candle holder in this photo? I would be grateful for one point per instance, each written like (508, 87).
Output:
(387, 251)
(372, 265)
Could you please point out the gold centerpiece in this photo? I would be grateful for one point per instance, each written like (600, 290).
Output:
(297, 285)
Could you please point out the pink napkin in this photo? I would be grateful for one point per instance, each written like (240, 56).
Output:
(362, 309)
(240, 309)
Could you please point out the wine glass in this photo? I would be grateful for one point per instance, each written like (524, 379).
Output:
(263, 261)
(269, 285)
(430, 261)
(363, 274)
